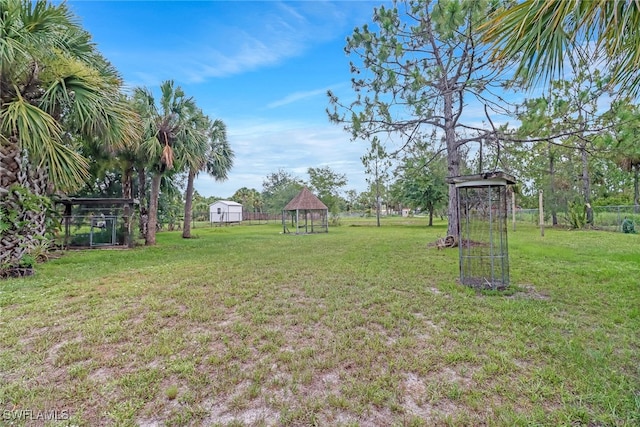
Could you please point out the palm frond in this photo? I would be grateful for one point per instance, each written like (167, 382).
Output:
(538, 36)
(39, 135)
(220, 159)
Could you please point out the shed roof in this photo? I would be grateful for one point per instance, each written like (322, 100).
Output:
(226, 202)
(305, 200)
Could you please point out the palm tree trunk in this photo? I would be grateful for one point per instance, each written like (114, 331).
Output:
(23, 230)
(188, 203)
(142, 199)
(150, 238)
(9, 166)
(127, 193)
(10, 248)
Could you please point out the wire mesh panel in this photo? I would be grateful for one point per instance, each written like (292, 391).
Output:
(482, 213)
(95, 222)
(484, 255)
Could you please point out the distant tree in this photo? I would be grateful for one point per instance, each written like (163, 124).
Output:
(327, 184)
(242, 195)
(415, 73)
(250, 198)
(568, 121)
(105, 177)
(351, 197)
(376, 165)
(422, 183)
(622, 142)
(200, 207)
(171, 200)
(278, 188)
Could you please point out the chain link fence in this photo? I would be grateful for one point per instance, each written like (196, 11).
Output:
(609, 218)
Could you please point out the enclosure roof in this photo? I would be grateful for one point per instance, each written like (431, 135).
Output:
(226, 202)
(305, 200)
(94, 201)
(482, 179)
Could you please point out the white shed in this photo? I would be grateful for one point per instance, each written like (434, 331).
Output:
(225, 211)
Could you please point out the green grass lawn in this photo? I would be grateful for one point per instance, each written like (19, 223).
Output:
(361, 326)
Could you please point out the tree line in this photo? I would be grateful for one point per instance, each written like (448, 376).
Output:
(439, 78)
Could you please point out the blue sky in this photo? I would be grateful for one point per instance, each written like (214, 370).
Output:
(263, 67)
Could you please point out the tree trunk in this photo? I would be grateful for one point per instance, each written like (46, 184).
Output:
(453, 164)
(377, 199)
(10, 161)
(586, 182)
(552, 188)
(127, 193)
(636, 187)
(431, 209)
(11, 249)
(188, 203)
(152, 222)
(142, 199)
(24, 231)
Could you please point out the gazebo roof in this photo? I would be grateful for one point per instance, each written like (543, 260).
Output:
(305, 200)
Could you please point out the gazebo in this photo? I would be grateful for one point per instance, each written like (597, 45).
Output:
(308, 214)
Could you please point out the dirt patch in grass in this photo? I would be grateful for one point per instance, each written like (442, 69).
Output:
(529, 292)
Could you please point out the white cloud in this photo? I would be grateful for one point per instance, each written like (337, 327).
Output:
(296, 96)
(283, 31)
(265, 147)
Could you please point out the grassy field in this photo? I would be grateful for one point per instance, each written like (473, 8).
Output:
(362, 326)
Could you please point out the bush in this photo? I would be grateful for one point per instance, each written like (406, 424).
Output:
(628, 226)
(577, 215)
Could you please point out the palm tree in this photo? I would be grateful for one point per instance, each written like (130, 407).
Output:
(56, 91)
(216, 160)
(167, 133)
(539, 35)
(195, 154)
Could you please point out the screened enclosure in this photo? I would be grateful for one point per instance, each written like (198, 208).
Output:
(97, 222)
(482, 237)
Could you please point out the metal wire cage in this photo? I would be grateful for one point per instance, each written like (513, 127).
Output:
(482, 237)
